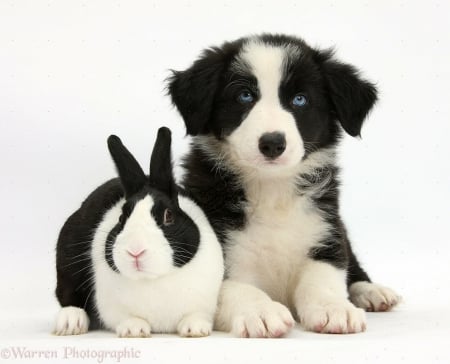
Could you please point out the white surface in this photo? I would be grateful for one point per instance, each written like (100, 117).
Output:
(416, 334)
(73, 72)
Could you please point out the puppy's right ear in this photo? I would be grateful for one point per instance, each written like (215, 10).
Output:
(193, 90)
(130, 172)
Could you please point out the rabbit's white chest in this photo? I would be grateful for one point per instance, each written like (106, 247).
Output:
(159, 302)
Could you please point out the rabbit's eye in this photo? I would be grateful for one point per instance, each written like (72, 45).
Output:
(168, 217)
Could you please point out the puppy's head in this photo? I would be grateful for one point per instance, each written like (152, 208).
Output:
(270, 101)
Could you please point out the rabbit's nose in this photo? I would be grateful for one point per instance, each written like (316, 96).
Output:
(136, 253)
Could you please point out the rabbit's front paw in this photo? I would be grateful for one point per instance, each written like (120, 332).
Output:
(133, 327)
(195, 325)
(71, 321)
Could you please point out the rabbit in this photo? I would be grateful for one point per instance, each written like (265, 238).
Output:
(138, 257)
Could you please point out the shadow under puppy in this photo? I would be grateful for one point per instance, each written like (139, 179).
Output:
(138, 256)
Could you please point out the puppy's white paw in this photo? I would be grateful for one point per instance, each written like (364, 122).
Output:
(373, 297)
(266, 319)
(194, 326)
(338, 317)
(133, 327)
(71, 321)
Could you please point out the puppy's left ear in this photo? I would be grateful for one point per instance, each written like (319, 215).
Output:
(351, 96)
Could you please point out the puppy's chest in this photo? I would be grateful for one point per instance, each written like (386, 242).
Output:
(274, 242)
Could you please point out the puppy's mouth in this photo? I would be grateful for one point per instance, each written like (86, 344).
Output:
(261, 162)
(281, 161)
(275, 162)
(285, 163)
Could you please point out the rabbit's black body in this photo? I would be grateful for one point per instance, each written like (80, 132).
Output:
(75, 286)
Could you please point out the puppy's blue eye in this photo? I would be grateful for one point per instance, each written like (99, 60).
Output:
(245, 97)
(299, 100)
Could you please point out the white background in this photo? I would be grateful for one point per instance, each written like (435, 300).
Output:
(73, 72)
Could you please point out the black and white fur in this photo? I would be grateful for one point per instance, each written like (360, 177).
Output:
(266, 114)
(138, 256)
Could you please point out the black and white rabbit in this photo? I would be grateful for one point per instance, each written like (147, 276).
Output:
(138, 256)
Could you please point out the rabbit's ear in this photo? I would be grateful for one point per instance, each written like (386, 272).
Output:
(130, 172)
(161, 173)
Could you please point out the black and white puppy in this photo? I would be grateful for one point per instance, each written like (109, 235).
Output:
(266, 114)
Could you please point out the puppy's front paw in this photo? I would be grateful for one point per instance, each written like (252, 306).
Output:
(194, 326)
(71, 321)
(339, 317)
(133, 327)
(266, 319)
(373, 297)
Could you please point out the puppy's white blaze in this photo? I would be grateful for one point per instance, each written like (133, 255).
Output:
(267, 64)
(165, 300)
(141, 233)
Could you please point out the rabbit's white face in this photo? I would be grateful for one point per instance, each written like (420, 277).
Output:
(141, 249)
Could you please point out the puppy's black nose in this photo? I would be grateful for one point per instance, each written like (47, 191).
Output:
(272, 145)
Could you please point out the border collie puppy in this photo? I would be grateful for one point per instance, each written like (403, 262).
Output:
(266, 114)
